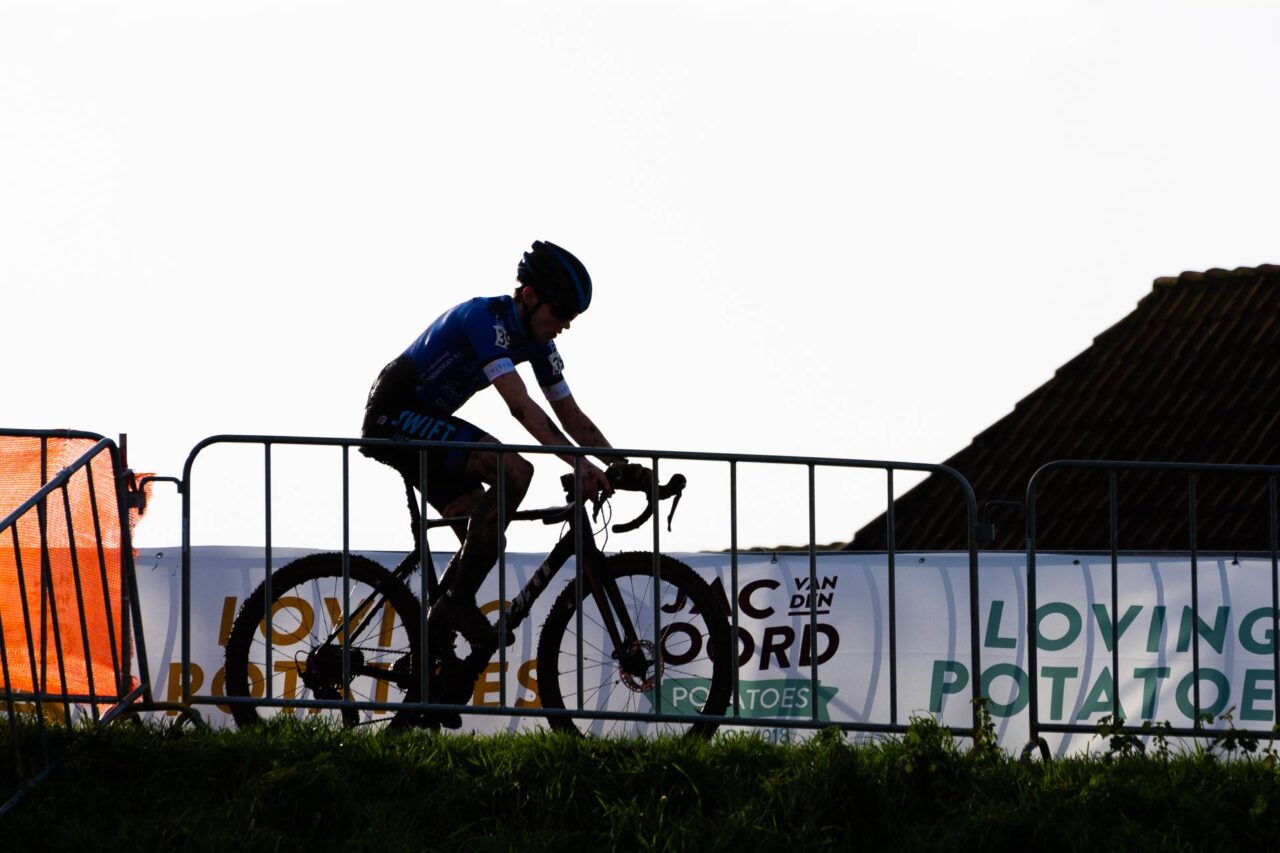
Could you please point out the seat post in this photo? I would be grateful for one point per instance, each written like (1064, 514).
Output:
(420, 542)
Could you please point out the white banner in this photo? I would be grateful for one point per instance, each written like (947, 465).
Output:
(1076, 682)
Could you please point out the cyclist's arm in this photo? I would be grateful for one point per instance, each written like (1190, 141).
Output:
(582, 428)
(530, 415)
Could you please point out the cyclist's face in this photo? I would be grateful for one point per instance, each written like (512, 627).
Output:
(545, 323)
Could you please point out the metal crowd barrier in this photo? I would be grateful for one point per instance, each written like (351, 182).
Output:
(44, 651)
(1112, 469)
(894, 724)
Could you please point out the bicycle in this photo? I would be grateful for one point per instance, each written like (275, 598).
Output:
(373, 659)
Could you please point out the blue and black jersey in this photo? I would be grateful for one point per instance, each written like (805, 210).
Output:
(470, 345)
(416, 395)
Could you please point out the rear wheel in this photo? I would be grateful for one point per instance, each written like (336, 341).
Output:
(687, 661)
(307, 656)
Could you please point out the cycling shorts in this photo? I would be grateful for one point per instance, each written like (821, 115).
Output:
(395, 412)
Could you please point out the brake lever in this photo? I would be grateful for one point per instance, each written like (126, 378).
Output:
(675, 502)
(673, 489)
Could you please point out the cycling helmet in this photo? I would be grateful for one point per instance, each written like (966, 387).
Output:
(559, 278)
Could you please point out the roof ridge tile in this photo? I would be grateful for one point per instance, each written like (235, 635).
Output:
(1214, 274)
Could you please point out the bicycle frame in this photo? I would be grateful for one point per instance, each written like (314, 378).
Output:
(606, 595)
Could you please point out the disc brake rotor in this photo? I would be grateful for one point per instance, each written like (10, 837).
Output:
(637, 666)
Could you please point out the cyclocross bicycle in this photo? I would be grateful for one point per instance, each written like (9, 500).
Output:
(606, 660)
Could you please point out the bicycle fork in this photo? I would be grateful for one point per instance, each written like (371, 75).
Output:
(603, 591)
(628, 649)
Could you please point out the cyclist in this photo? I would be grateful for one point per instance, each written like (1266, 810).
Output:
(473, 345)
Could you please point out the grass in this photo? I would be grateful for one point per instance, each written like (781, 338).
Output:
(303, 787)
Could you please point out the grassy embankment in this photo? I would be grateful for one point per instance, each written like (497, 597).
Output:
(298, 787)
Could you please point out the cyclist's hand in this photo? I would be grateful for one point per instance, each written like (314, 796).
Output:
(630, 476)
(595, 484)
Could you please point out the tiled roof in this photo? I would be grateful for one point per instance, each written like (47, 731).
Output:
(1192, 375)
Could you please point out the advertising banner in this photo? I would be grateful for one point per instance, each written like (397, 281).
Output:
(1159, 634)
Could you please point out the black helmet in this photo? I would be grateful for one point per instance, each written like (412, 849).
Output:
(560, 279)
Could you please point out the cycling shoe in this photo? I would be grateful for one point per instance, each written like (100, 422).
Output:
(451, 685)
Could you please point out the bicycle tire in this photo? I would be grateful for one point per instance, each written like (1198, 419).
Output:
(313, 585)
(697, 660)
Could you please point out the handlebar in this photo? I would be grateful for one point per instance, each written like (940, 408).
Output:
(637, 478)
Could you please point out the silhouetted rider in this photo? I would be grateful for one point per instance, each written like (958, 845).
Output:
(470, 346)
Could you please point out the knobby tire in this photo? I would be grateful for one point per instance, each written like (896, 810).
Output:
(390, 640)
(696, 642)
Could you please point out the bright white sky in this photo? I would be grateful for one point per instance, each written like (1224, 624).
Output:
(821, 228)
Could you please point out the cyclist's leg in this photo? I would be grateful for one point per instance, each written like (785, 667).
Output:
(454, 485)
(455, 488)
(455, 477)
(394, 412)
(484, 535)
(469, 568)
(457, 608)
(459, 508)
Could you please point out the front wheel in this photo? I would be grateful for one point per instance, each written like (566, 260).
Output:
(685, 671)
(307, 655)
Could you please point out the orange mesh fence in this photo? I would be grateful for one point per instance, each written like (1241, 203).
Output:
(65, 631)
